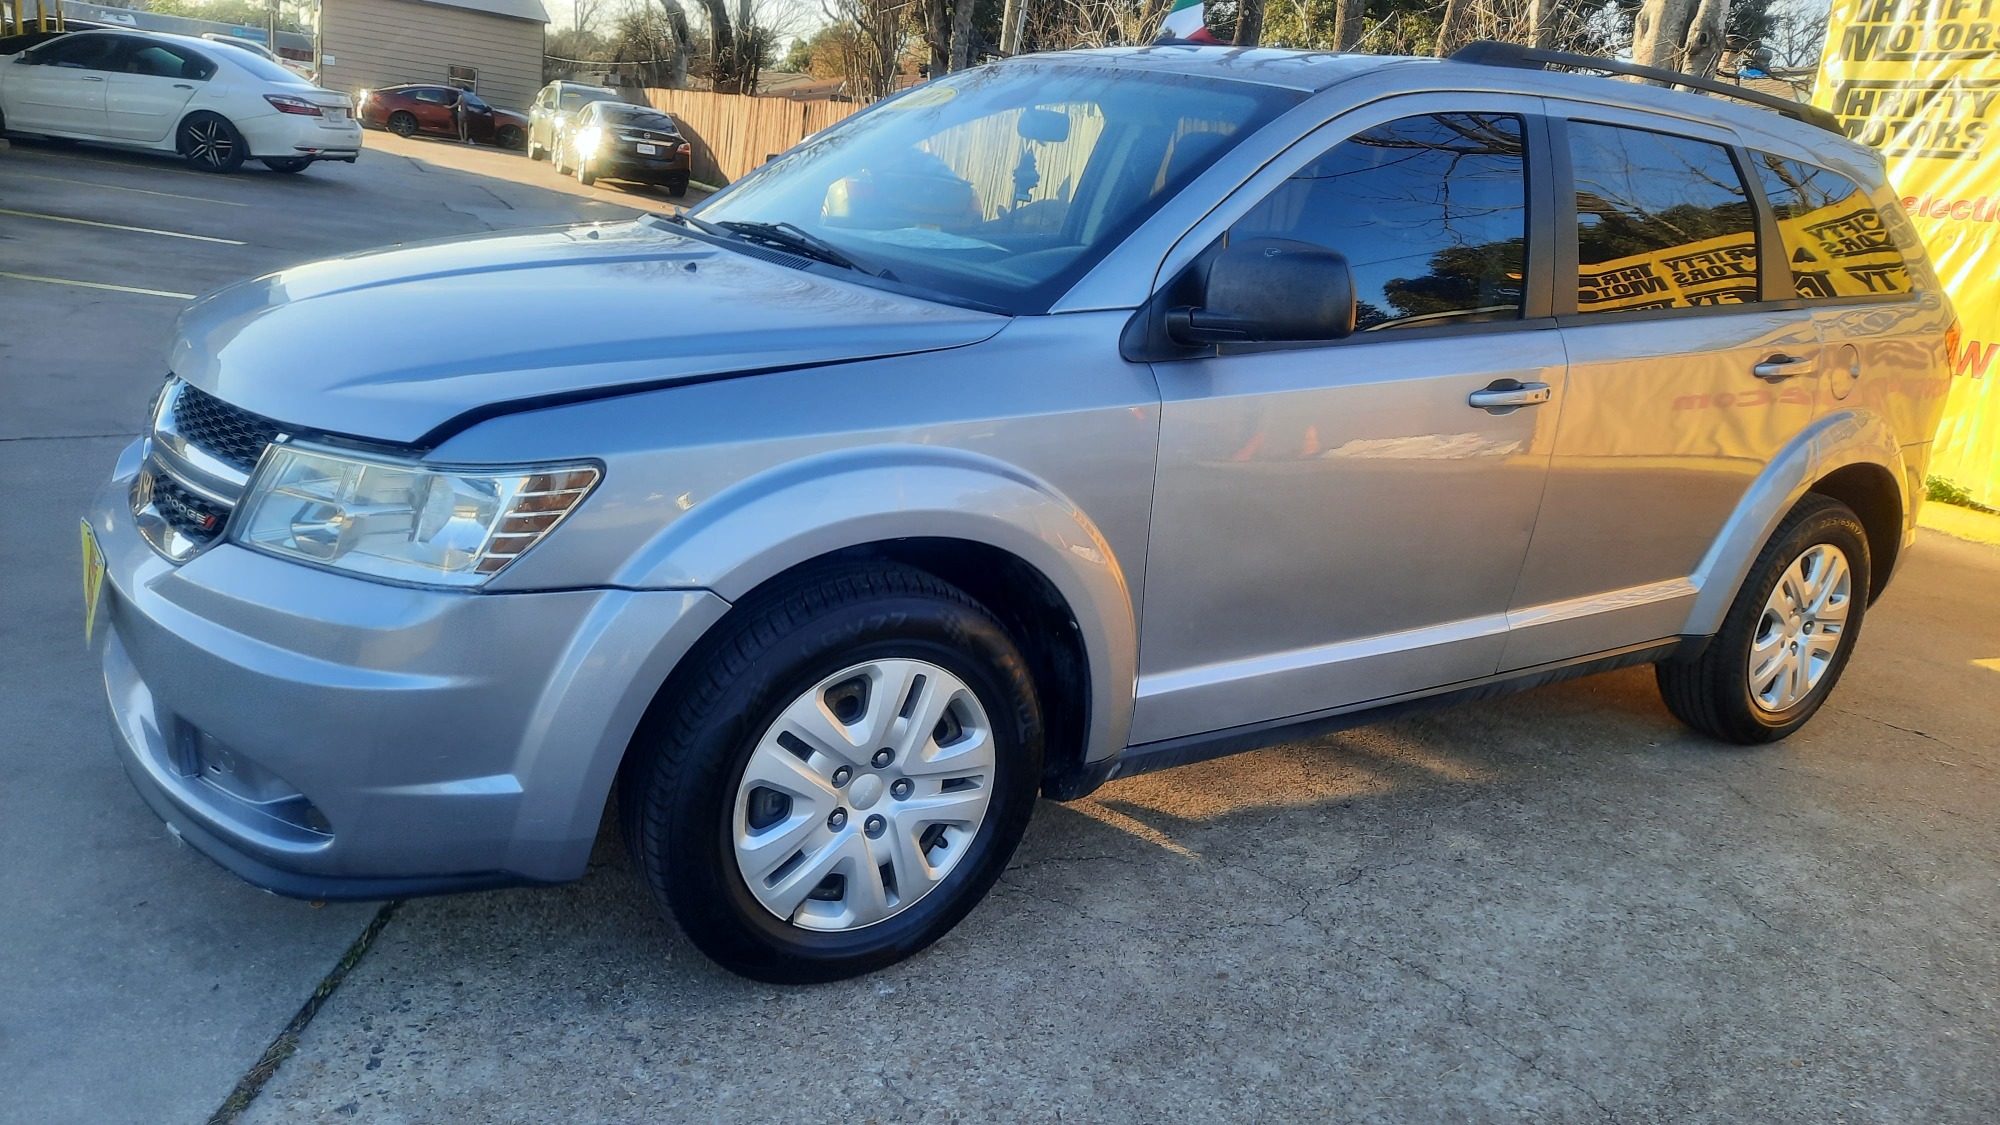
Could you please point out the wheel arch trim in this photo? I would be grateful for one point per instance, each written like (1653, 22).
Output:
(762, 526)
(1834, 442)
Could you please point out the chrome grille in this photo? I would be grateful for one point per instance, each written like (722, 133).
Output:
(199, 458)
(225, 432)
(193, 516)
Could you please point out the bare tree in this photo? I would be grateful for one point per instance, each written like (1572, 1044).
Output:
(1350, 17)
(961, 34)
(1685, 35)
(872, 51)
(1455, 25)
(936, 18)
(1249, 23)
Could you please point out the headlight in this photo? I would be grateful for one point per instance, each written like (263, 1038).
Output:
(403, 521)
(586, 139)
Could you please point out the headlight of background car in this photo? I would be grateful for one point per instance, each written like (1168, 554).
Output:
(403, 521)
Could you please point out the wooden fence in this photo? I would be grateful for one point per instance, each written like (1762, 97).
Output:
(730, 134)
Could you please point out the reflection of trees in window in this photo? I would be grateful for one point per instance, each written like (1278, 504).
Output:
(1639, 192)
(1468, 280)
(1429, 211)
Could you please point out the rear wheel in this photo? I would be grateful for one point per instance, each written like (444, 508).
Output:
(676, 186)
(285, 164)
(840, 779)
(210, 143)
(403, 123)
(1787, 636)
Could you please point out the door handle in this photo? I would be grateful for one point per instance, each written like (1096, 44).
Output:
(1506, 394)
(92, 78)
(182, 86)
(1781, 367)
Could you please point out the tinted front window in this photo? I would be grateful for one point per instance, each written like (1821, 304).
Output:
(1838, 243)
(1430, 212)
(1663, 222)
(1002, 185)
(432, 95)
(80, 52)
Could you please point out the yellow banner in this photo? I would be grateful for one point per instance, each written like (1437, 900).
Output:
(1920, 80)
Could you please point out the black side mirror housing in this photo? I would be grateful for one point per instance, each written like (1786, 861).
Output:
(1270, 290)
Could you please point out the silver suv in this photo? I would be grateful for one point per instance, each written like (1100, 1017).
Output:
(1058, 420)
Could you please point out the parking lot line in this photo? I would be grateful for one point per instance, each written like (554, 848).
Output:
(122, 226)
(115, 187)
(98, 285)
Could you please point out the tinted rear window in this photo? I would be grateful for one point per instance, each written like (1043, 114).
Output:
(1839, 243)
(1663, 222)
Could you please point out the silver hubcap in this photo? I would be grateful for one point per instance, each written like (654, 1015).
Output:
(207, 142)
(1801, 629)
(863, 795)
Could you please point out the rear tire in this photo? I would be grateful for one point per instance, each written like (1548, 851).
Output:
(285, 164)
(403, 123)
(210, 143)
(677, 187)
(690, 825)
(1771, 666)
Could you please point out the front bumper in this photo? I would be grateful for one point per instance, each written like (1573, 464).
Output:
(330, 737)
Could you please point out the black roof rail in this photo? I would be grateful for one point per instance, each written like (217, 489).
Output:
(1486, 52)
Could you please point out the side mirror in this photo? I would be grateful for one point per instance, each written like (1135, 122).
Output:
(1270, 290)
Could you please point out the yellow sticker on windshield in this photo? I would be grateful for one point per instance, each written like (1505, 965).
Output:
(923, 97)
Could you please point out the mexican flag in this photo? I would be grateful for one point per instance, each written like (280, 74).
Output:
(1186, 20)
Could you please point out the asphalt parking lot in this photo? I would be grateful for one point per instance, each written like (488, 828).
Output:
(1559, 906)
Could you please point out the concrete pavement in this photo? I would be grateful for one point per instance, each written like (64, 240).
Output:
(1559, 906)
(140, 981)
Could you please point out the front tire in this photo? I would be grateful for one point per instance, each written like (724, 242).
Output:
(209, 143)
(584, 174)
(509, 137)
(840, 776)
(1787, 636)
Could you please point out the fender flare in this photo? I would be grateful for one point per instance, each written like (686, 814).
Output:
(1829, 444)
(768, 523)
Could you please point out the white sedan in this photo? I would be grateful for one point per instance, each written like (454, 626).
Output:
(215, 104)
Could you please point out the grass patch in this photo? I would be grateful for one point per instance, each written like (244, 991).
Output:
(1947, 492)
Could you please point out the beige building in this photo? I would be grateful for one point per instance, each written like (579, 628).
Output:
(493, 47)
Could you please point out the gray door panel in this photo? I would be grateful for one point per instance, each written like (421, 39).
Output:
(1335, 525)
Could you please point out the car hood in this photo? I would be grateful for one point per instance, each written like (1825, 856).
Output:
(407, 343)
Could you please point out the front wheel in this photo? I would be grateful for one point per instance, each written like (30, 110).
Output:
(508, 137)
(211, 144)
(584, 174)
(403, 123)
(1787, 636)
(839, 778)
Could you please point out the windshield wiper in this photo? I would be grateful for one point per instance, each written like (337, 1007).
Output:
(789, 236)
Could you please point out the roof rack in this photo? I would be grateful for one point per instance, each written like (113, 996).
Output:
(1489, 53)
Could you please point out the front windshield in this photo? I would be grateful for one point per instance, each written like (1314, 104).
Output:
(571, 99)
(638, 115)
(1004, 184)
